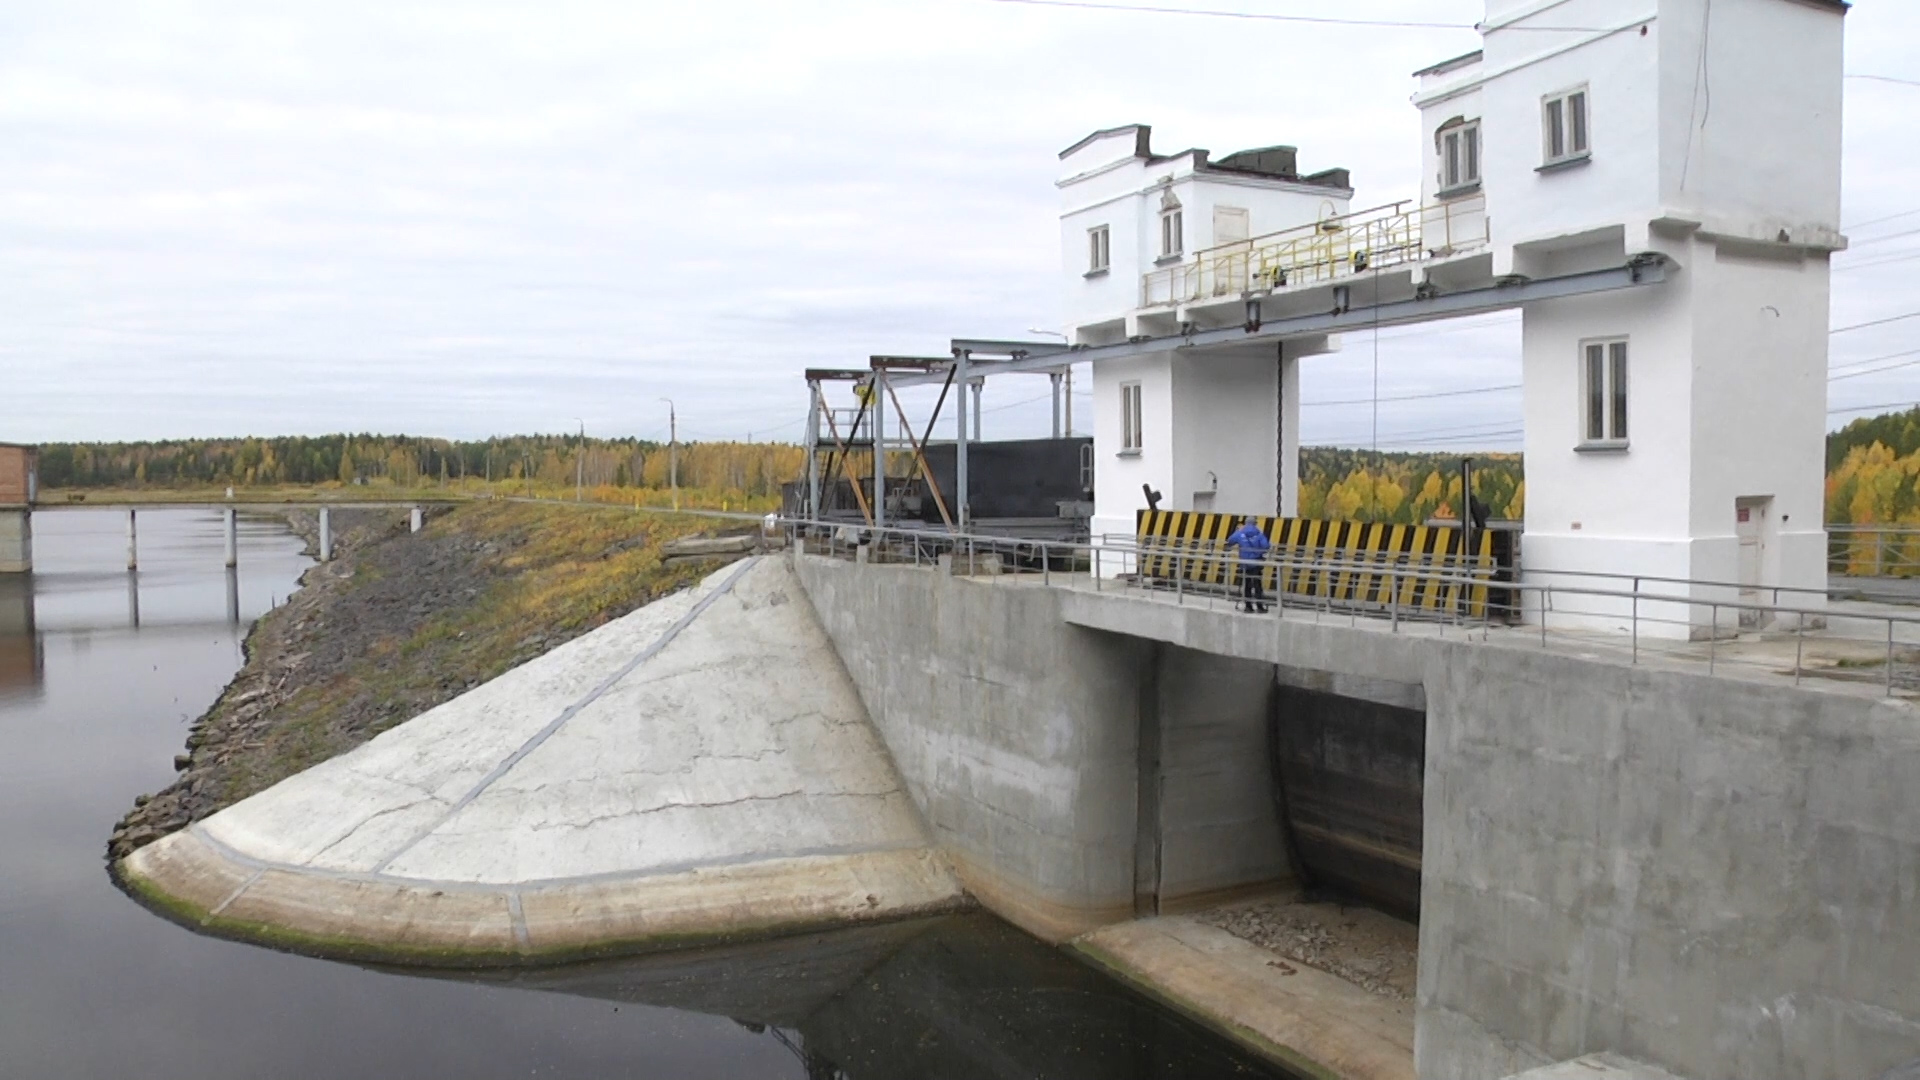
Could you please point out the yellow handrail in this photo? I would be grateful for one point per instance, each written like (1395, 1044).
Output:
(1385, 236)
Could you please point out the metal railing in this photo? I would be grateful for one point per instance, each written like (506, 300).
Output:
(1639, 618)
(1375, 239)
(1873, 550)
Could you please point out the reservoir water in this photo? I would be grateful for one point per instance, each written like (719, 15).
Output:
(100, 674)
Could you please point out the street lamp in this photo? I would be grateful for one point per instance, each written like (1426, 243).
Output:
(673, 452)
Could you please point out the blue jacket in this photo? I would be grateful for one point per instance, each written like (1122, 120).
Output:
(1251, 541)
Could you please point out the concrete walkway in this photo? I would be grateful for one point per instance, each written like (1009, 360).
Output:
(699, 770)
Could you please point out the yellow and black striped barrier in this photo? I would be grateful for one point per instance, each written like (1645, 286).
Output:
(1350, 562)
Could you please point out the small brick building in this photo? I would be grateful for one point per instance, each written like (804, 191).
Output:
(19, 476)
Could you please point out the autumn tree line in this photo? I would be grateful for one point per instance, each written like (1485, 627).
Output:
(744, 471)
(1873, 470)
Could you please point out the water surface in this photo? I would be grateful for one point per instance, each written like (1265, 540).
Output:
(100, 674)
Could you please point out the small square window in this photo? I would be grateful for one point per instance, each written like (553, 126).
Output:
(1129, 416)
(1098, 249)
(1563, 126)
(1604, 379)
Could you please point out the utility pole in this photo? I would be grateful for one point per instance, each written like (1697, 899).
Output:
(673, 452)
(580, 465)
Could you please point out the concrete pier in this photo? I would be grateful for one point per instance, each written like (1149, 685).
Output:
(636, 788)
(133, 540)
(232, 522)
(326, 534)
(16, 540)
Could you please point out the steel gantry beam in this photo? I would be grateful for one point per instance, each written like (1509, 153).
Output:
(1017, 357)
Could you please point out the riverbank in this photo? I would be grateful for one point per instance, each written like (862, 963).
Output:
(627, 791)
(402, 622)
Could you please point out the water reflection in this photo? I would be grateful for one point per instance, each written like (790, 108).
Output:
(944, 999)
(22, 658)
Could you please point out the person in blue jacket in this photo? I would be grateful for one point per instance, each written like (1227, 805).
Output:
(1253, 547)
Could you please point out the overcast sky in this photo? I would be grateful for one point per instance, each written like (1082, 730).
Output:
(470, 218)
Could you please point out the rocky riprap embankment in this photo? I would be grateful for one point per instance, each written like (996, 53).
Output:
(237, 723)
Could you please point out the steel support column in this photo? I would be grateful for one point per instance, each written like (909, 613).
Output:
(878, 389)
(963, 513)
(1055, 378)
(813, 450)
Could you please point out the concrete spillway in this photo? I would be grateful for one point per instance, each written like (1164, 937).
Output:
(701, 769)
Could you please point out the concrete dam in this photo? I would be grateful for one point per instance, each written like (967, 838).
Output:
(1647, 868)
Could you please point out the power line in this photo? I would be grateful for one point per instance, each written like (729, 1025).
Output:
(1875, 264)
(1882, 220)
(1875, 371)
(1883, 239)
(1412, 397)
(1322, 20)
(1476, 431)
(1871, 360)
(1886, 79)
(1870, 408)
(1876, 322)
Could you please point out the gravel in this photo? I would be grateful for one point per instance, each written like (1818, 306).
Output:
(1367, 948)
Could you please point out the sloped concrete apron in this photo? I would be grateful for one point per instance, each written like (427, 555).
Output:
(699, 770)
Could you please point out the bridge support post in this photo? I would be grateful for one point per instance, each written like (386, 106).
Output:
(415, 521)
(233, 538)
(133, 541)
(16, 540)
(326, 534)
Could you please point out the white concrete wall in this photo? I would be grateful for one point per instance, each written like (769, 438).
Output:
(1635, 494)
(1759, 401)
(1117, 475)
(1225, 428)
(1726, 400)
(1750, 117)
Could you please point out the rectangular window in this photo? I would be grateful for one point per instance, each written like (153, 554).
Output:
(1097, 249)
(1460, 156)
(1129, 416)
(1604, 374)
(1171, 243)
(1563, 126)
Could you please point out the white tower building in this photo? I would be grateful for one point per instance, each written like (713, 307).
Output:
(1157, 243)
(1655, 185)
(1673, 432)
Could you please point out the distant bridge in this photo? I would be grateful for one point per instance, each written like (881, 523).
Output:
(18, 529)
